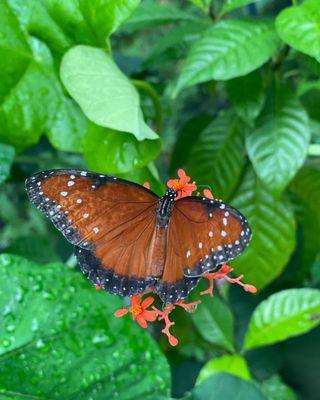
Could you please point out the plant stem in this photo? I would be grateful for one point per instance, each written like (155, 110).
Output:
(150, 91)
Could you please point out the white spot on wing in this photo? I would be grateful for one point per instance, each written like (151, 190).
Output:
(200, 245)
(210, 234)
(86, 215)
(223, 233)
(188, 254)
(95, 229)
(225, 221)
(79, 201)
(64, 194)
(70, 183)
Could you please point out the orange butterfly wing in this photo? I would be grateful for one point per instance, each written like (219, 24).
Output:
(110, 221)
(203, 234)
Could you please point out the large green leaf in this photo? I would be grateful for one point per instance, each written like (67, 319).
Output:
(60, 340)
(229, 49)
(274, 389)
(232, 364)
(63, 24)
(150, 14)
(218, 156)
(34, 101)
(214, 321)
(279, 145)
(273, 232)
(112, 152)
(282, 315)
(306, 188)
(226, 386)
(103, 92)
(299, 26)
(6, 158)
(247, 95)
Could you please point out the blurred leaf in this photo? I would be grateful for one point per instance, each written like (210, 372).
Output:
(151, 14)
(232, 364)
(282, 315)
(299, 26)
(217, 158)
(60, 339)
(214, 321)
(187, 137)
(142, 175)
(203, 4)
(306, 187)
(247, 95)
(226, 386)
(274, 389)
(63, 24)
(179, 36)
(103, 92)
(273, 229)
(229, 49)
(6, 159)
(279, 145)
(230, 5)
(112, 152)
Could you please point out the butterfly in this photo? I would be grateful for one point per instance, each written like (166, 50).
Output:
(128, 240)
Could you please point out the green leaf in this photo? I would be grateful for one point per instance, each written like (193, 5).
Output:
(60, 339)
(299, 27)
(282, 315)
(104, 93)
(217, 158)
(151, 14)
(112, 152)
(226, 386)
(273, 227)
(203, 4)
(230, 5)
(214, 321)
(279, 145)
(35, 102)
(6, 159)
(146, 174)
(274, 389)
(306, 188)
(232, 364)
(247, 95)
(64, 24)
(229, 49)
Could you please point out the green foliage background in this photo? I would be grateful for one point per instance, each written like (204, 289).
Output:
(230, 91)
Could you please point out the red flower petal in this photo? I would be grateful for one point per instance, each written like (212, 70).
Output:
(147, 302)
(135, 300)
(146, 185)
(207, 193)
(121, 312)
(149, 315)
(141, 321)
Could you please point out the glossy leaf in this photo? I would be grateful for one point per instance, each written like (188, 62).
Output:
(112, 152)
(6, 158)
(299, 27)
(232, 364)
(226, 386)
(202, 4)
(273, 232)
(214, 321)
(279, 145)
(306, 188)
(247, 95)
(218, 156)
(274, 389)
(34, 103)
(60, 338)
(282, 315)
(230, 5)
(227, 50)
(150, 14)
(103, 92)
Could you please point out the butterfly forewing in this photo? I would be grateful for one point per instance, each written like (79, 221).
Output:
(111, 221)
(203, 234)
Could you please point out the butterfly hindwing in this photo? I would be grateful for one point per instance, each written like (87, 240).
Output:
(203, 234)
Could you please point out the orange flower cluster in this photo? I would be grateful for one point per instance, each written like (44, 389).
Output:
(140, 304)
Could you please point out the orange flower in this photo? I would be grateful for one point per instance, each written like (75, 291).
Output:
(139, 310)
(182, 185)
(208, 194)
